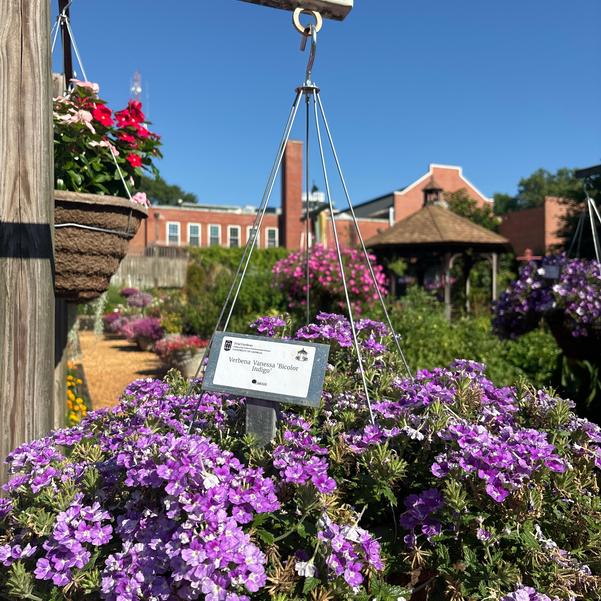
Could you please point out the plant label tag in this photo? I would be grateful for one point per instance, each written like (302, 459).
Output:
(265, 368)
(552, 272)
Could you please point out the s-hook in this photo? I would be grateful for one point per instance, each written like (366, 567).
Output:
(308, 31)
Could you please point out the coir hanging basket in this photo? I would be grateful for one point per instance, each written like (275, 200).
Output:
(90, 241)
(574, 347)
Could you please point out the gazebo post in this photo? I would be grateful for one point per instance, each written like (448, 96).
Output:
(447, 285)
(494, 263)
(467, 269)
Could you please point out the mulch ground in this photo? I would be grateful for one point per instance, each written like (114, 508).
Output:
(110, 365)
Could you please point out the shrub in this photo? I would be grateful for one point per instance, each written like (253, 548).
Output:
(430, 340)
(457, 489)
(325, 278)
(127, 292)
(139, 300)
(209, 279)
(144, 328)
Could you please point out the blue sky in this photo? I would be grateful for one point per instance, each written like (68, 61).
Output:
(500, 88)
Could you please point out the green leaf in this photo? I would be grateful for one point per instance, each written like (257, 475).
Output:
(265, 536)
(310, 584)
(20, 583)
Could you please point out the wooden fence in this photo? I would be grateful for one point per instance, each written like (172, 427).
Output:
(151, 272)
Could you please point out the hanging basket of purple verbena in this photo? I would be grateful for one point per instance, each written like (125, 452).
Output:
(454, 485)
(569, 302)
(450, 484)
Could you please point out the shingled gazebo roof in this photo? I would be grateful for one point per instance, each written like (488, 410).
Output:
(435, 227)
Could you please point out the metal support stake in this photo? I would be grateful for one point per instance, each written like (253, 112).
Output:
(64, 16)
(592, 210)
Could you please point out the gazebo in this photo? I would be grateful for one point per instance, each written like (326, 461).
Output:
(435, 236)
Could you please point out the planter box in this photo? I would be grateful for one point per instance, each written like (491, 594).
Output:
(144, 343)
(86, 259)
(187, 363)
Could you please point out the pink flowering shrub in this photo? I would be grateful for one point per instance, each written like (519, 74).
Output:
(456, 489)
(327, 291)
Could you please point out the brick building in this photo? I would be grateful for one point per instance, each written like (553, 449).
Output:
(537, 229)
(207, 225)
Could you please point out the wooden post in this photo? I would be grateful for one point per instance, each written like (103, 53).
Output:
(26, 221)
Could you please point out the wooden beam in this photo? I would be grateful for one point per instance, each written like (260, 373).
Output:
(330, 9)
(26, 221)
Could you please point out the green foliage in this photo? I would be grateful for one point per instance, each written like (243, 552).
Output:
(209, 278)
(533, 189)
(429, 340)
(160, 192)
(463, 204)
(20, 582)
(581, 381)
(504, 203)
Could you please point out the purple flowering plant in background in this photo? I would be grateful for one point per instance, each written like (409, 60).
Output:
(457, 489)
(574, 296)
(128, 291)
(144, 327)
(139, 300)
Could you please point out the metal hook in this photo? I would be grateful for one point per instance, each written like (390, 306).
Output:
(310, 31)
(313, 34)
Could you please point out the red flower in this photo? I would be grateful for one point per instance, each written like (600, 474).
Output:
(134, 160)
(124, 118)
(128, 138)
(142, 131)
(102, 114)
(135, 110)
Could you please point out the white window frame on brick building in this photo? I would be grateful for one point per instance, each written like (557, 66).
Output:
(199, 236)
(210, 237)
(249, 230)
(179, 233)
(238, 229)
(276, 237)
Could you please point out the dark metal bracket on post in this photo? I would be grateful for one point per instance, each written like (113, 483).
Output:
(588, 172)
(63, 9)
